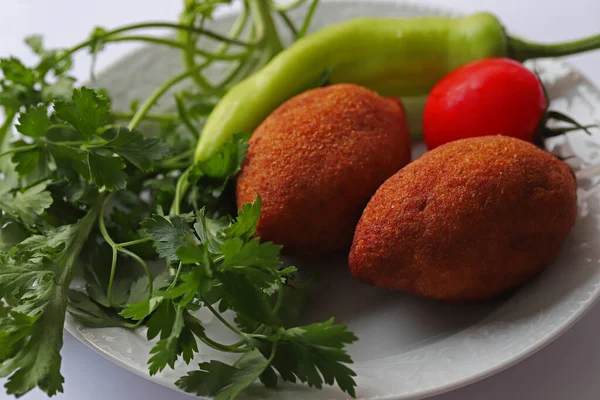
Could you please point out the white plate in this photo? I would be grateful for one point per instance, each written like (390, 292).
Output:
(409, 348)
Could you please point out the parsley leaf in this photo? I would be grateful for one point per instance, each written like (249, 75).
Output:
(135, 148)
(49, 245)
(18, 85)
(87, 113)
(196, 282)
(176, 328)
(34, 122)
(315, 355)
(22, 86)
(246, 221)
(247, 299)
(227, 161)
(166, 350)
(50, 60)
(90, 313)
(35, 43)
(139, 289)
(71, 163)
(32, 165)
(222, 261)
(213, 176)
(60, 89)
(211, 231)
(78, 150)
(161, 321)
(12, 232)
(253, 253)
(53, 200)
(139, 311)
(107, 171)
(168, 234)
(225, 382)
(247, 369)
(38, 276)
(27, 204)
(208, 379)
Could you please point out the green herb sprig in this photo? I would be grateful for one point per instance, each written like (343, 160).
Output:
(152, 236)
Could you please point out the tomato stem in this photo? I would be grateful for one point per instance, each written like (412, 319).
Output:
(522, 50)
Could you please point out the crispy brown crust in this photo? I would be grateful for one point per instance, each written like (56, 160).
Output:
(317, 160)
(468, 221)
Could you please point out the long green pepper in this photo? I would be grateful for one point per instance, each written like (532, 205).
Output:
(395, 57)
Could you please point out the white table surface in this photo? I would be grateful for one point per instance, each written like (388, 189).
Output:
(569, 368)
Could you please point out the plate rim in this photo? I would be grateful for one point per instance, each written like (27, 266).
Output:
(71, 325)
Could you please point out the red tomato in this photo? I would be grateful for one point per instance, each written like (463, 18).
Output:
(495, 96)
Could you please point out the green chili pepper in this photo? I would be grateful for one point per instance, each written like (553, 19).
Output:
(399, 57)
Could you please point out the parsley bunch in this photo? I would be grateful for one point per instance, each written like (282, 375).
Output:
(55, 194)
(150, 237)
(220, 261)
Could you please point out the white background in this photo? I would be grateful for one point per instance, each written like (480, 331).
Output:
(569, 368)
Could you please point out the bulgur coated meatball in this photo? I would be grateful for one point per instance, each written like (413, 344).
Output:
(317, 160)
(467, 221)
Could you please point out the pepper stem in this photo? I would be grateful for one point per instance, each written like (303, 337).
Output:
(522, 50)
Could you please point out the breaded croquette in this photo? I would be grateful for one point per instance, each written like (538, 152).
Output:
(317, 160)
(467, 221)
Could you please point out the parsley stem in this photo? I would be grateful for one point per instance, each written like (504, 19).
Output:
(101, 223)
(256, 333)
(237, 71)
(290, 24)
(223, 320)
(289, 6)
(308, 19)
(180, 157)
(129, 325)
(152, 117)
(244, 68)
(111, 242)
(18, 150)
(189, 42)
(62, 126)
(119, 247)
(237, 28)
(279, 300)
(66, 143)
(180, 189)
(113, 269)
(173, 43)
(267, 32)
(177, 273)
(133, 242)
(189, 28)
(239, 343)
(143, 110)
(144, 266)
(221, 347)
(262, 327)
(176, 165)
(192, 29)
(5, 128)
(74, 248)
(273, 351)
(183, 115)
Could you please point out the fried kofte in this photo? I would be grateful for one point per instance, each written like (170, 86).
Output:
(467, 221)
(317, 160)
